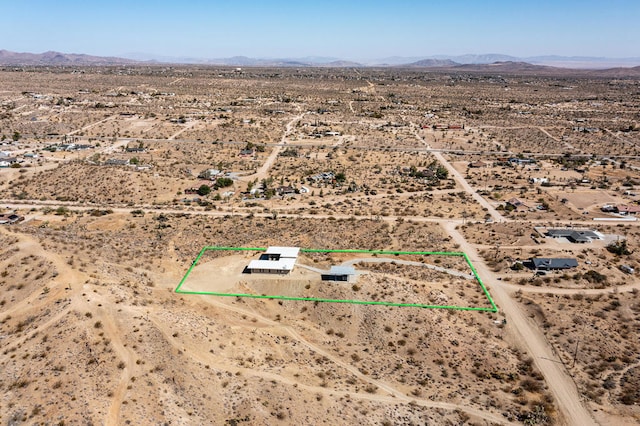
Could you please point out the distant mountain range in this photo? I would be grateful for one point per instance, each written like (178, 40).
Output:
(57, 58)
(485, 62)
(525, 68)
(577, 62)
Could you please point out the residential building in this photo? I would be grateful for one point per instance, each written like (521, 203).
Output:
(275, 260)
(575, 235)
(553, 264)
(628, 210)
(518, 205)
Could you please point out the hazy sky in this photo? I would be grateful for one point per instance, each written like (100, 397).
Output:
(346, 29)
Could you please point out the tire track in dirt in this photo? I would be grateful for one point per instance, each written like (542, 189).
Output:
(127, 356)
(395, 396)
(66, 284)
(263, 171)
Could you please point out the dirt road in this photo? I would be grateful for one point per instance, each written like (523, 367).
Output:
(184, 129)
(263, 171)
(556, 376)
(460, 179)
(88, 126)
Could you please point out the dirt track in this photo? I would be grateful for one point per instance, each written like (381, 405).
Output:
(395, 396)
(556, 376)
(263, 171)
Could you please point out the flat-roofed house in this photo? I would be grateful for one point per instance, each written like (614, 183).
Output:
(575, 235)
(339, 273)
(628, 210)
(275, 260)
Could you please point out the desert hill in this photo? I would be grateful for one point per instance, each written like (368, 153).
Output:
(508, 67)
(57, 58)
(431, 63)
(619, 72)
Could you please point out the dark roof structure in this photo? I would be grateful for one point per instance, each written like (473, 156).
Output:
(10, 218)
(574, 235)
(547, 263)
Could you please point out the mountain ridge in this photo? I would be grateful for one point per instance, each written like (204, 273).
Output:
(57, 58)
(463, 62)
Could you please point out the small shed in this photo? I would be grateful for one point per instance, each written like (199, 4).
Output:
(339, 273)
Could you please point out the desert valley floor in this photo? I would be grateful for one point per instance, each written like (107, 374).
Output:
(114, 178)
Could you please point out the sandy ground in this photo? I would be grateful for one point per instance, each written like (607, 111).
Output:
(92, 331)
(589, 199)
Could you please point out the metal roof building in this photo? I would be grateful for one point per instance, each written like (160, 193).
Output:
(282, 266)
(548, 264)
(283, 252)
(339, 273)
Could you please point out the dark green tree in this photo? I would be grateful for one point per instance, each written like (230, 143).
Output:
(204, 190)
(442, 172)
(223, 182)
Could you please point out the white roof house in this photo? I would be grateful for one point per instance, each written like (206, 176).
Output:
(275, 260)
(282, 266)
(284, 252)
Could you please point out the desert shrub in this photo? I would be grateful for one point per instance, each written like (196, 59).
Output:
(531, 385)
(594, 277)
(619, 248)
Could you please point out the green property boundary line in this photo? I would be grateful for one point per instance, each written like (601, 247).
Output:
(493, 307)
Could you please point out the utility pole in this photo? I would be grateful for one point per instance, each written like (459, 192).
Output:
(575, 353)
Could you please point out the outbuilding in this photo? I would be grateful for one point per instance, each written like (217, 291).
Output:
(339, 273)
(9, 219)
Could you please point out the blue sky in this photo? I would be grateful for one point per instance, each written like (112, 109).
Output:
(344, 29)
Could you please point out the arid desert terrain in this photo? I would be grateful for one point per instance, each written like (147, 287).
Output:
(113, 178)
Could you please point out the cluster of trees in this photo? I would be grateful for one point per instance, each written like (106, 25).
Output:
(619, 248)
(434, 169)
(14, 137)
(221, 182)
(289, 152)
(251, 145)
